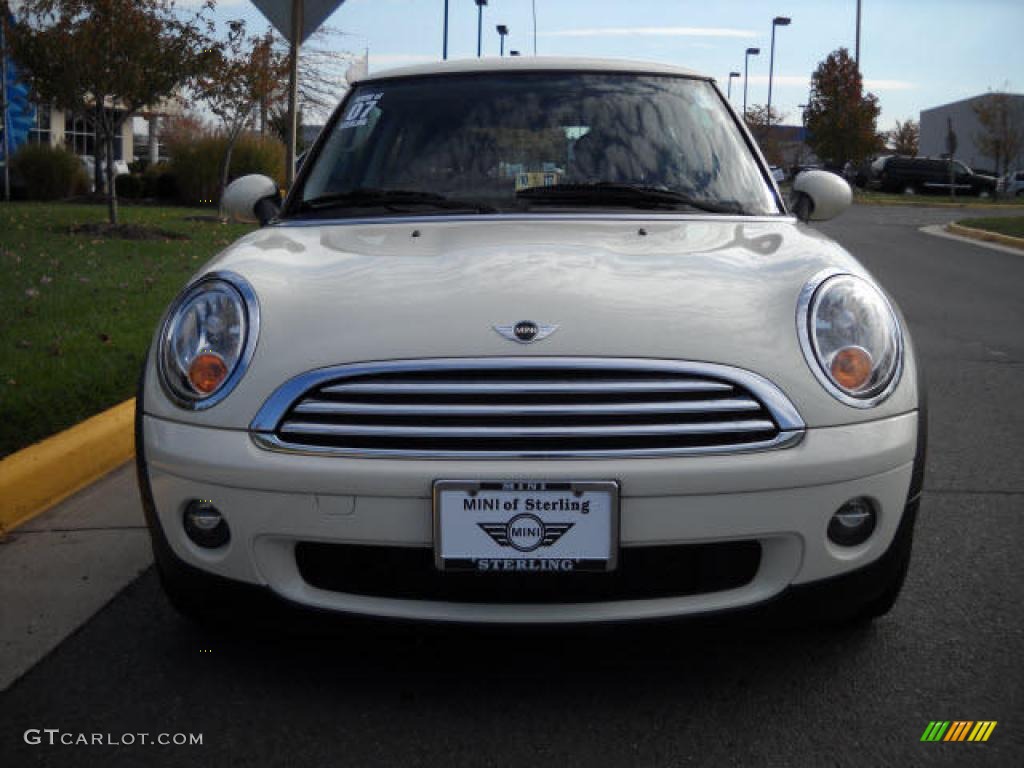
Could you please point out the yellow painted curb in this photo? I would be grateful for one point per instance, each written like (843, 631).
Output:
(983, 234)
(34, 479)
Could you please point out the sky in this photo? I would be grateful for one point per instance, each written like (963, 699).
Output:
(915, 54)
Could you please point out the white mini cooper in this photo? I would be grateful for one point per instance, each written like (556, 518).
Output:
(533, 341)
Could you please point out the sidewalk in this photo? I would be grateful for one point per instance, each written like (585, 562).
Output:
(59, 569)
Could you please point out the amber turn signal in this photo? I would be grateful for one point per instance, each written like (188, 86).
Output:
(207, 372)
(851, 368)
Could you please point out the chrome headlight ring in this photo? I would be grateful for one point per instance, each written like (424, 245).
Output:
(231, 339)
(886, 356)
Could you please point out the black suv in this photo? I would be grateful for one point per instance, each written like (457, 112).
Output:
(929, 174)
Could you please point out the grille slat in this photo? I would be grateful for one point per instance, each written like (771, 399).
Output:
(337, 408)
(527, 407)
(523, 387)
(513, 432)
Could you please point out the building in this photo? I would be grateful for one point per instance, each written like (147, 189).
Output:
(786, 146)
(935, 124)
(41, 124)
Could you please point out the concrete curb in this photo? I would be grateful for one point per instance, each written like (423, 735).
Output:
(34, 479)
(985, 235)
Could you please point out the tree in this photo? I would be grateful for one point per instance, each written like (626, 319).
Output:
(904, 138)
(758, 121)
(243, 74)
(277, 124)
(1002, 129)
(109, 58)
(322, 72)
(840, 116)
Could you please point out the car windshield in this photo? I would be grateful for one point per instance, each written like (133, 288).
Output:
(533, 141)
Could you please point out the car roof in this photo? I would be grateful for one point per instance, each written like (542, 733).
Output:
(534, 64)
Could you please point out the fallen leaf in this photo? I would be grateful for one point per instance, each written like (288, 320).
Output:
(104, 338)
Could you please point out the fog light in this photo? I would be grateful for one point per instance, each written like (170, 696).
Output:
(852, 523)
(205, 525)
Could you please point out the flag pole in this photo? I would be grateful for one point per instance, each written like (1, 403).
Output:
(4, 109)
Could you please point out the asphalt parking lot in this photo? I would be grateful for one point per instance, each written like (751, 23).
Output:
(655, 695)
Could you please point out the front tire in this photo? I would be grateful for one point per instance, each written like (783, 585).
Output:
(860, 597)
(193, 597)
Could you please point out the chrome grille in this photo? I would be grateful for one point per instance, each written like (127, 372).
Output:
(527, 407)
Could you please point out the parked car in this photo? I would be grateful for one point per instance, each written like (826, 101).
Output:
(635, 388)
(923, 175)
(1012, 184)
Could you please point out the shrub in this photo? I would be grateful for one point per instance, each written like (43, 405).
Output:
(129, 186)
(167, 186)
(158, 182)
(48, 173)
(196, 161)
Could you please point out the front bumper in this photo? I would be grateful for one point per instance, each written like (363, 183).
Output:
(781, 499)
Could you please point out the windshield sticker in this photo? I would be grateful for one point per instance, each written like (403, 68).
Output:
(359, 112)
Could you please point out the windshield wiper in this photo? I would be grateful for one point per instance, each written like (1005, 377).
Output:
(635, 195)
(392, 199)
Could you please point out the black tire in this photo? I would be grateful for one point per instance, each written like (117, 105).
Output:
(864, 595)
(884, 601)
(192, 596)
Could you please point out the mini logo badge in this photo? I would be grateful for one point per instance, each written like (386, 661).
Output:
(525, 533)
(526, 331)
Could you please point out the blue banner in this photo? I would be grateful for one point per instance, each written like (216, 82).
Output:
(20, 115)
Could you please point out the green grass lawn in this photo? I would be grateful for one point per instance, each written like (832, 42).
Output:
(1005, 225)
(77, 311)
(961, 201)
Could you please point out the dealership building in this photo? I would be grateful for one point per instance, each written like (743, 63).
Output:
(935, 123)
(29, 123)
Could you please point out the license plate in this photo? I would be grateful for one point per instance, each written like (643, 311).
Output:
(526, 527)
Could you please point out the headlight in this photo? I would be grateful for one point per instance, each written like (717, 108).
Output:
(851, 338)
(208, 339)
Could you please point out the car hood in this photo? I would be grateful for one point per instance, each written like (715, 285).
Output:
(712, 289)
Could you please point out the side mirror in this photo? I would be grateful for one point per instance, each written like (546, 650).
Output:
(820, 195)
(252, 198)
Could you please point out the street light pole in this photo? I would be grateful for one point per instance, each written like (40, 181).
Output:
(444, 47)
(778, 21)
(479, 26)
(731, 76)
(502, 31)
(534, 6)
(746, 73)
(856, 56)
